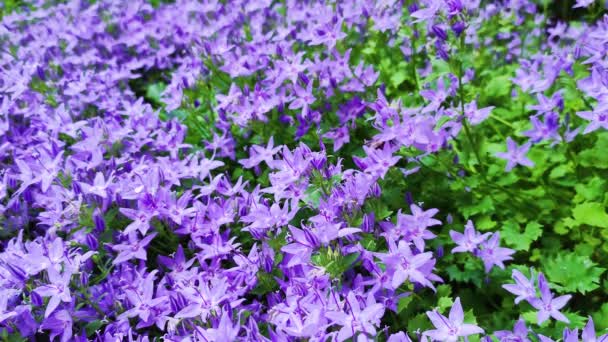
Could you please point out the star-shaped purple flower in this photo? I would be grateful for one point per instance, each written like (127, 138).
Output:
(548, 305)
(450, 329)
(516, 155)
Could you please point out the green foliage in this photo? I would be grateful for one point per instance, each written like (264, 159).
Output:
(333, 262)
(518, 239)
(601, 317)
(10, 6)
(596, 156)
(590, 213)
(573, 273)
(266, 283)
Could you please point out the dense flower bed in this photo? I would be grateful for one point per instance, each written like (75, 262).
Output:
(293, 170)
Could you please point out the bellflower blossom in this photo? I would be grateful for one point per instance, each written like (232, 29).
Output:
(515, 155)
(547, 304)
(451, 328)
(164, 175)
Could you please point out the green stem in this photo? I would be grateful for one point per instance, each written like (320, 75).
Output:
(414, 71)
(467, 132)
(501, 120)
(587, 103)
(465, 124)
(569, 154)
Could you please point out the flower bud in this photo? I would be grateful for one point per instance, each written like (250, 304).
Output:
(458, 27)
(100, 224)
(440, 251)
(376, 191)
(439, 32)
(368, 222)
(91, 242)
(36, 299)
(408, 198)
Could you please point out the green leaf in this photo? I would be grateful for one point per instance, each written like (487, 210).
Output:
(482, 206)
(154, 91)
(499, 86)
(442, 122)
(591, 213)
(518, 240)
(419, 322)
(404, 302)
(266, 283)
(312, 196)
(92, 327)
(444, 302)
(368, 242)
(398, 77)
(590, 191)
(596, 157)
(443, 290)
(469, 317)
(570, 272)
(531, 317)
(600, 317)
(560, 171)
(485, 222)
(472, 272)
(379, 208)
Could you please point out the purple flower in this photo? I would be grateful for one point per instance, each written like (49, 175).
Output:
(178, 262)
(233, 97)
(589, 333)
(258, 154)
(60, 323)
(378, 161)
(546, 130)
(303, 98)
(4, 313)
(58, 289)
(224, 331)
(598, 118)
(570, 335)
(404, 265)
(205, 296)
(547, 305)
(476, 115)
(428, 13)
(523, 288)
(414, 226)
(450, 329)
(399, 337)
(133, 249)
(340, 136)
(492, 254)
(469, 241)
(515, 155)
(519, 333)
(583, 3)
(357, 320)
(141, 220)
(546, 104)
(143, 300)
(99, 185)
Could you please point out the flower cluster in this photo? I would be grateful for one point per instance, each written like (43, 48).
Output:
(246, 170)
(484, 246)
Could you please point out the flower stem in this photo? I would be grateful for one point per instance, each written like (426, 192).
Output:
(465, 124)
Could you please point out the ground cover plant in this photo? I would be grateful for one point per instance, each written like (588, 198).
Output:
(356, 170)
